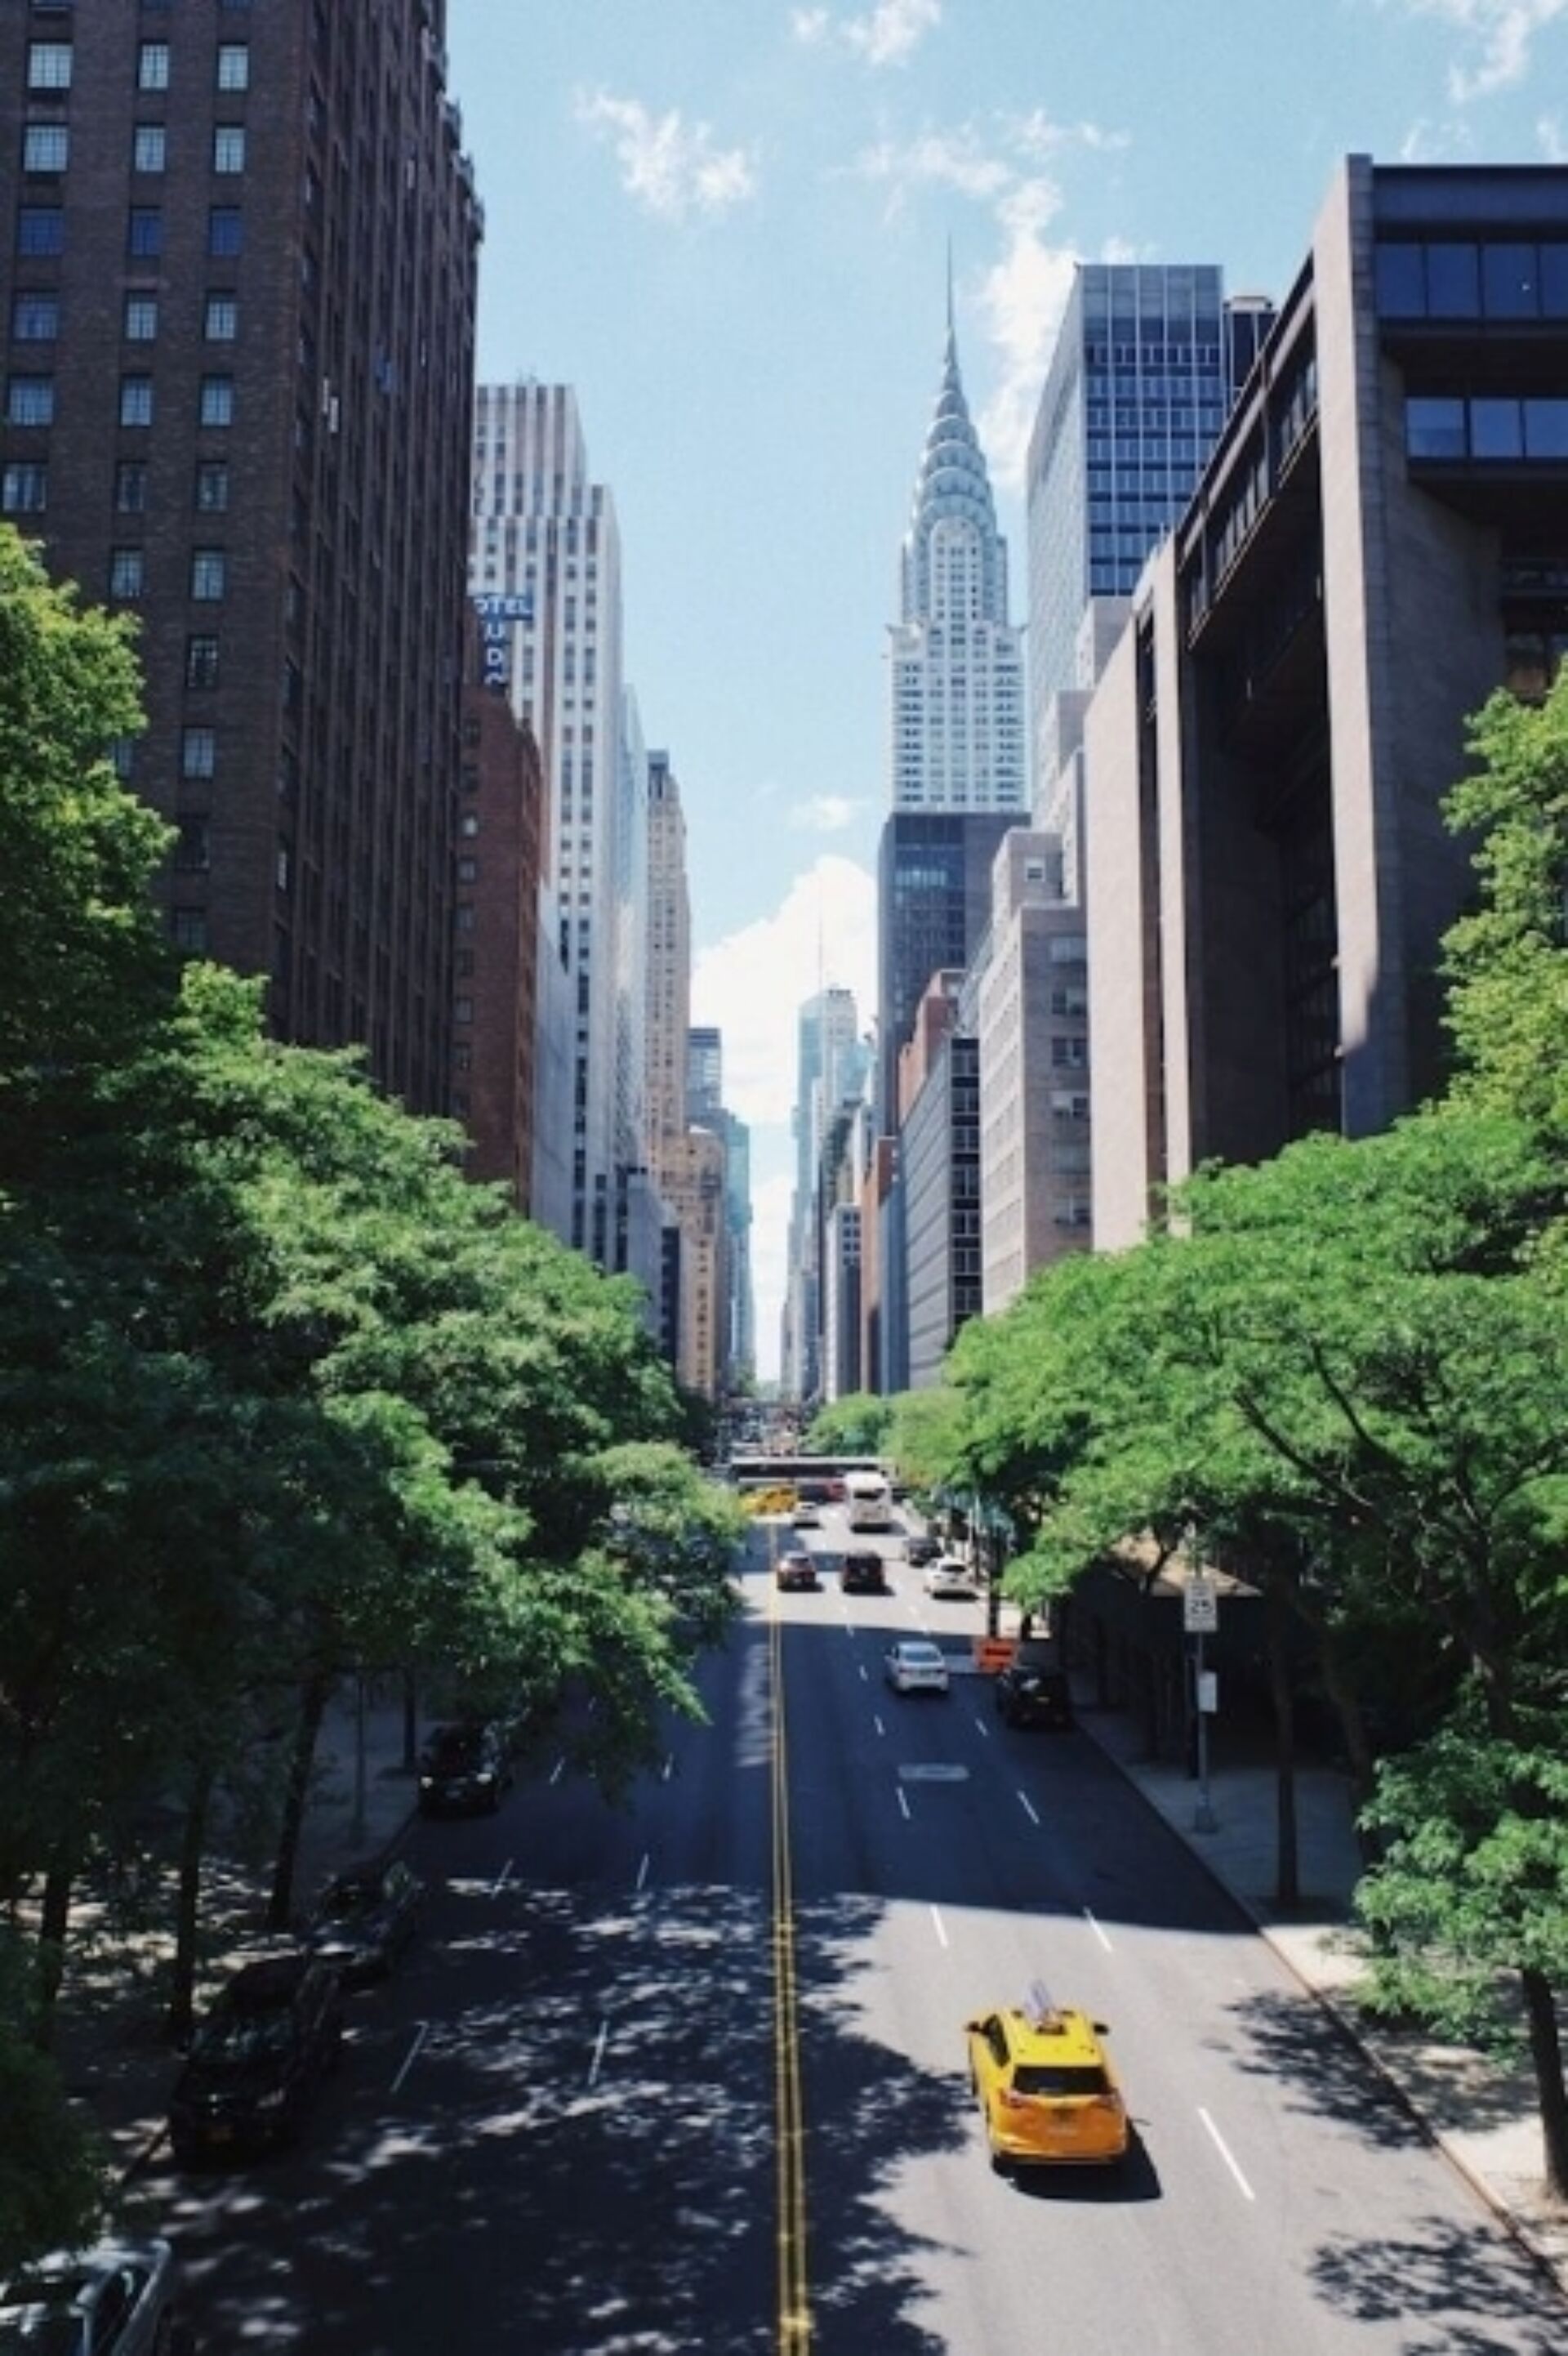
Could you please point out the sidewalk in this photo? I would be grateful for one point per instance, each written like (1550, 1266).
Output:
(1481, 2114)
(110, 2040)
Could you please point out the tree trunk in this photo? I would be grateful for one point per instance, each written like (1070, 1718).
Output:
(181, 2011)
(410, 1722)
(313, 1709)
(53, 1923)
(1287, 1862)
(1546, 2052)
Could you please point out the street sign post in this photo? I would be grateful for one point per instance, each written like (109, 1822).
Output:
(1200, 1618)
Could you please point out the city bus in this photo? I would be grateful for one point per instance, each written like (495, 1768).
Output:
(869, 1500)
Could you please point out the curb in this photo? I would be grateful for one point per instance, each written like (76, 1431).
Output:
(1519, 2231)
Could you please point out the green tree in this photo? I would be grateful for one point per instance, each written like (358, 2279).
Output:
(1473, 1885)
(855, 1425)
(53, 2180)
(1508, 962)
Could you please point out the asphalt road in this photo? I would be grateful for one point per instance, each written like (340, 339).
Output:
(556, 2131)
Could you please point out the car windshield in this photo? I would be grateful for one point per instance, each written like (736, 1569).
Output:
(37, 2317)
(346, 1900)
(239, 2036)
(921, 1655)
(457, 1750)
(1060, 2078)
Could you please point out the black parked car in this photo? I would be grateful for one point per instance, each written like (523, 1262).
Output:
(258, 2058)
(921, 1549)
(363, 1919)
(1027, 1693)
(863, 1574)
(466, 1771)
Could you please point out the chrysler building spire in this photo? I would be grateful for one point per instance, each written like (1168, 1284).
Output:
(956, 665)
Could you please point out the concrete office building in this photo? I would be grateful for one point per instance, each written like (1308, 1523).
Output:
(1379, 539)
(687, 1163)
(496, 959)
(1031, 995)
(1147, 362)
(705, 1109)
(939, 1144)
(234, 373)
(545, 534)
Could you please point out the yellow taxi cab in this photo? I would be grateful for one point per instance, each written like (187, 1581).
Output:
(1048, 2094)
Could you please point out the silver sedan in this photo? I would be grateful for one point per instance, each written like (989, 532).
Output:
(118, 2294)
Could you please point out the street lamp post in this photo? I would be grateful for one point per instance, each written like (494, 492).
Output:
(1200, 1618)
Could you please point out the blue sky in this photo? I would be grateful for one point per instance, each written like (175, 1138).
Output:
(725, 223)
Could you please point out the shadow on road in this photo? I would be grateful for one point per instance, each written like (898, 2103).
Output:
(1445, 2284)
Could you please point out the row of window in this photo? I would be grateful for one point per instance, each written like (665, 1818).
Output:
(1460, 279)
(1486, 427)
(46, 149)
(24, 490)
(30, 399)
(51, 66)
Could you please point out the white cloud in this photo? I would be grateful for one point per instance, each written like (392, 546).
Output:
(753, 983)
(671, 167)
(1022, 297)
(823, 814)
(893, 30)
(953, 159)
(1497, 36)
(1552, 138)
(1036, 134)
(886, 35)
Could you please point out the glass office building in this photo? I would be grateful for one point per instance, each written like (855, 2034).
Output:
(1145, 367)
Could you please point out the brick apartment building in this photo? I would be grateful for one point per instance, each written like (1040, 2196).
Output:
(238, 259)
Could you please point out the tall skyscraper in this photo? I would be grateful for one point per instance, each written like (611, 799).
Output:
(957, 663)
(830, 1070)
(933, 903)
(687, 1162)
(1147, 361)
(237, 381)
(545, 533)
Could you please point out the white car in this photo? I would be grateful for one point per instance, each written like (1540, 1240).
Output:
(119, 2294)
(949, 1576)
(915, 1665)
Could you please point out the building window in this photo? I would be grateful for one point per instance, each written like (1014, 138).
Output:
(24, 490)
(199, 752)
(30, 400)
(462, 1010)
(131, 487)
(144, 233)
(140, 319)
(188, 927)
(233, 65)
(225, 231)
(467, 871)
(220, 319)
(135, 400)
(40, 230)
(209, 575)
(127, 573)
(465, 915)
(48, 64)
(192, 853)
(153, 66)
(120, 755)
(149, 147)
(201, 662)
(35, 318)
(46, 147)
(212, 487)
(228, 148)
(217, 401)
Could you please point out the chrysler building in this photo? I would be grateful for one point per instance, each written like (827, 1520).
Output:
(956, 661)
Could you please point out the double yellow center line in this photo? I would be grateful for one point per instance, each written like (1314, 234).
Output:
(794, 2293)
